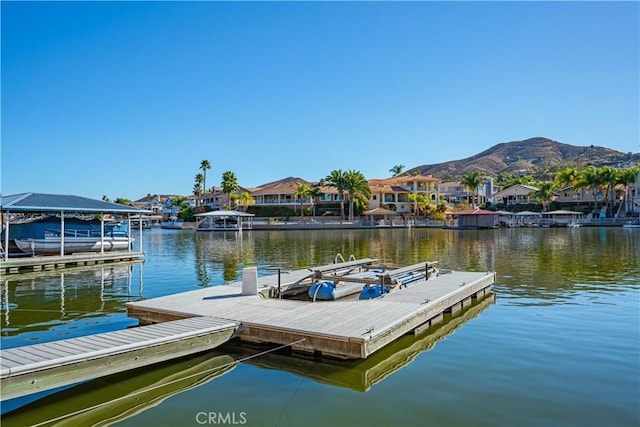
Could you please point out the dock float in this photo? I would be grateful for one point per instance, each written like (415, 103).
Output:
(51, 262)
(35, 368)
(345, 329)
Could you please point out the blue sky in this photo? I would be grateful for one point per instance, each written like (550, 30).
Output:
(126, 98)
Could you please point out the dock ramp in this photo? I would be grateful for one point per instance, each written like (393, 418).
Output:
(35, 368)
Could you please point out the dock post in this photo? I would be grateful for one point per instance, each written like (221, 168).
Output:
(250, 281)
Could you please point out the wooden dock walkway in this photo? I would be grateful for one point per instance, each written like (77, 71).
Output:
(34, 368)
(352, 329)
(51, 262)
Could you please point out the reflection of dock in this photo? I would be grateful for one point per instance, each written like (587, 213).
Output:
(118, 397)
(41, 300)
(361, 375)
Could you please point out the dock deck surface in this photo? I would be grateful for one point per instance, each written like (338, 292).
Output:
(343, 328)
(50, 262)
(33, 368)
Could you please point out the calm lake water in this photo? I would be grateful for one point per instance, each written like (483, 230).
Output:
(558, 345)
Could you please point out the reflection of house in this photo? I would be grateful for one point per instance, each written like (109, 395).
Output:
(516, 194)
(395, 193)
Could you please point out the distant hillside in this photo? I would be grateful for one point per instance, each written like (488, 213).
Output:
(526, 157)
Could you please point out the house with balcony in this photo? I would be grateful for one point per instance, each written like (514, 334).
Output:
(454, 192)
(517, 194)
(283, 193)
(217, 199)
(155, 203)
(395, 193)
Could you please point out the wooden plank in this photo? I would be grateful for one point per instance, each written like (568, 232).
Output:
(68, 370)
(9, 362)
(90, 343)
(39, 351)
(108, 340)
(56, 350)
(22, 356)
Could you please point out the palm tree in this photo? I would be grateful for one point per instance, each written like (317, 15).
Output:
(590, 179)
(567, 177)
(471, 182)
(179, 203)
(229, 185)
(301, 193)
(626, 177)
(415, 192)
(356, 186)
(337, 179)
(204, 165)
(546, 194)
(420, 201)
(608, 178)
(123, 201)
(314, 193)
(244, 199)
(197, 187)
(397, 170)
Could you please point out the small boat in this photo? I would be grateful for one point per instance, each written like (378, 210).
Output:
(174, 223)
(631, 225)
(75, 241)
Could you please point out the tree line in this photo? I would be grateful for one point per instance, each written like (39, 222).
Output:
(353, 189)
(601, 182)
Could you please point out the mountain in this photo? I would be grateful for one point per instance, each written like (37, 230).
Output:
(526, 157)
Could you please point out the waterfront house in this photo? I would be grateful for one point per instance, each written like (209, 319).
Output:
(217, 199)
(395, 193)
(516, 195)
(283, 193)
(454, 192)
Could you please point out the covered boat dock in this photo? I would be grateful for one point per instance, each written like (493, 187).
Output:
(26, 205)
(224, 220)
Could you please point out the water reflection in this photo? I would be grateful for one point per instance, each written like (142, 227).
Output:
(576, 270)
(118, 397)
(361, 375)
(228, 249)
(53, 301)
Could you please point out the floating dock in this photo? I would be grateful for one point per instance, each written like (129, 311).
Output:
(52, 262)
(34, 368)
(346, 329)
(192, 322)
